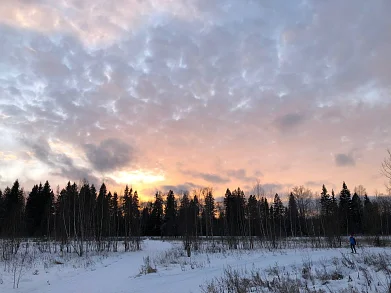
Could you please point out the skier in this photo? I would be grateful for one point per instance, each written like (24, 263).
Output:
(353, 243)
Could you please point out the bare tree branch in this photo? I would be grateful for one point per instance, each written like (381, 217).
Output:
(386, 170)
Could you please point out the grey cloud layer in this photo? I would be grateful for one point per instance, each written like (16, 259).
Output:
(109, 154)
(61, 164)
(343, 160)
(209, 77)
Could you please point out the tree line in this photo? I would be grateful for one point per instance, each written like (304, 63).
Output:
(82, 214)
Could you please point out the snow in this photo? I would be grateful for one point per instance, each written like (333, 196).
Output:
(120, 272)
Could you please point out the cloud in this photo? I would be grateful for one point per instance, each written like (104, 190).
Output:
(60, 163)
(258, 173)
(212, 178)
(189, 81)
(241, 174)
(319, 183)
(41, 150)
(178, 189)
(274, 187)
(344, 160)
(76, 174)
(109, 155)
(289, 121)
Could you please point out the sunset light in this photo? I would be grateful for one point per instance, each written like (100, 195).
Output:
(138, 178)
(169, 146)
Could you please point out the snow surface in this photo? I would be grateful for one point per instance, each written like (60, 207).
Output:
(120, 272)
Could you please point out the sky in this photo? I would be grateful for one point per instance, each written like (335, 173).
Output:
(183, 94)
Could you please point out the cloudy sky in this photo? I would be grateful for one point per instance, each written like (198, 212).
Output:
(187, 93)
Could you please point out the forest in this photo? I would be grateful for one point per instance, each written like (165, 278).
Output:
(81, 217)
(82, 214)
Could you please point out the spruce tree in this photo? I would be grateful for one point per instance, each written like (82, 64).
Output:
(92, 211)
(127, 213)
(101, 213)
(325, 202)
(264, 217)
(278, 207)
(345, 209)
(108, 232)
(46, 224)
(209, 213)
(278, 215)
(156, 218)
(334, 205)
(357, 213)
(146, 219)
(115, 214)
(293, 215)
(170, 214)
(252, 215)
(136, 220)
(14, 204)
(85, 211)
(2, 211)
(370, 217)
(184, 218)
(194, 211)
(34, 212)
(229, 213)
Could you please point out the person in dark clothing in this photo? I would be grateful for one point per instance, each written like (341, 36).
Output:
(353, 243)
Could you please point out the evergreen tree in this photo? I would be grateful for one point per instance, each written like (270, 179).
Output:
(345, 204)
(61, 217)
(101, 212)
(145, 219)
(108, 214)
(253, 215)
(293, 215)
(326, 202)
(156, 219)
(209, 212)
(278, 207)
(229, 213)
(14, 205)
(86, 203)
(334, 205)
(240, 201)
(127, 202)
(91, 216)
(72, 208)
(235, 206)
(2, 211)
(136, 219)
(34, 211)
(370, 217)
(115, 214)
(278, 215)
(357, 213)
(325, 211)
(184, 215)
(194, 211)
(47, 223)
(185, 219)
(170, 214)
(264, 215)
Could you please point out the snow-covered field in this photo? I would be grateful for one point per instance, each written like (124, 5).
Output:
(332, 270)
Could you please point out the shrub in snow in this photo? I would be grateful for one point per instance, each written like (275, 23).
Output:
(147, 268)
